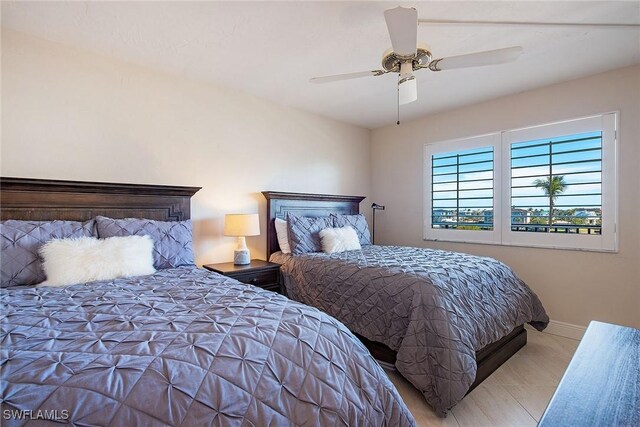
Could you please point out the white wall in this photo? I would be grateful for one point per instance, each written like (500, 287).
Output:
(70, 114)
(575, 287)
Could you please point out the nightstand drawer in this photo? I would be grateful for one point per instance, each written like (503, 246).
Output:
(259, 273)
(261, 279)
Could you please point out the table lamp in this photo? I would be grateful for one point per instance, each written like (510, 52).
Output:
(240, 226)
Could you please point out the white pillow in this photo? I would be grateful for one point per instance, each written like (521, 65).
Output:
(87, 259)
(339, 240)
(283, 236)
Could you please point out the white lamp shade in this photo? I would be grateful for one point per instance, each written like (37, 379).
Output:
(241, 225)
(408, 92)
(407, 86)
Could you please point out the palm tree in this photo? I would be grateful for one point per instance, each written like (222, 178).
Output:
(552, 186)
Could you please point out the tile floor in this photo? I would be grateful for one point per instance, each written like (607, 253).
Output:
(515, 395)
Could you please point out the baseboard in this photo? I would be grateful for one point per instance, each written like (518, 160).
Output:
(566, 330)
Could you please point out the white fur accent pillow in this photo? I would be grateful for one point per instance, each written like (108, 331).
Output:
(283, 236)
(87, 259)
(339, 240)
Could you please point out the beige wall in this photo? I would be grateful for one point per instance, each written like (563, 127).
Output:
(574, 286)
(69, 114)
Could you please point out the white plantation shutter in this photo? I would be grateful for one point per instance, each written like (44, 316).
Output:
(483, 189)
(461, 194)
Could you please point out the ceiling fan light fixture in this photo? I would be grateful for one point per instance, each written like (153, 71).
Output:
(407, 90)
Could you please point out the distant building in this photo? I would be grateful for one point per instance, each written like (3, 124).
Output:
(488, 216)
(590, 216)
(444, 215)
(520, 216)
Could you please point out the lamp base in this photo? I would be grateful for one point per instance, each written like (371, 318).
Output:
(241, 257)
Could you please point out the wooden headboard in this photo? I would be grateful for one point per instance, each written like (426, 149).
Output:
(312, 205)
(45, 200)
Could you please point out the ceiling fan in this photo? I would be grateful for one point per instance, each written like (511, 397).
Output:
(408, 55)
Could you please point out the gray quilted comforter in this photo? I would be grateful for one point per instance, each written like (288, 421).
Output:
(434, 308)
(184, 347)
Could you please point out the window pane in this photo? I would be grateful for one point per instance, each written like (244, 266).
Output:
(579, 200)
(531, 161)
(532, 151)
(438, 204)
(445, 187)
(444, 178)
(578, 178)
(583, 189)
(444, 195)
(577, 156)
(560, 191)
(444, 162)
(524, 191)
(529, 171)
(462, 190)
(581, 144)
(474, 185)
(476, 176)
(480, 193)
(444, 170)
(529, 202)
(476, 203)
(476, 167)
(526, 181)
(578, 168)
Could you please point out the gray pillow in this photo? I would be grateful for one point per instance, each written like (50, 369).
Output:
(21, 240)
(304, 232)
(172, 245)
(358, 222)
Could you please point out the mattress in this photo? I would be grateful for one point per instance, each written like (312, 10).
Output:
(434, 308)
(184, 347)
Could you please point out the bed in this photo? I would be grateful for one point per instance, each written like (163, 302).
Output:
(183, 346)
(445, 320)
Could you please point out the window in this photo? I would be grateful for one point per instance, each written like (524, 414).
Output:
(462, 189)
(556, 184)
(461, 179)
(557, 187)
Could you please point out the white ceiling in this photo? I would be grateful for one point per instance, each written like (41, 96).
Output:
(271, 49)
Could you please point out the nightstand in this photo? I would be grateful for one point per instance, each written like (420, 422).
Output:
(263, 274)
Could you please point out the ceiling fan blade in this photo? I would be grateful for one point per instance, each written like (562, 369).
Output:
(489, 57)
(402, 23)
(407, 90)
(338, 77)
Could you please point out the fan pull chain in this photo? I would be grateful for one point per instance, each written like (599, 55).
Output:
(398, 122)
